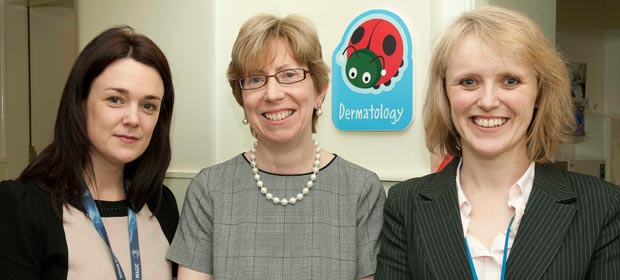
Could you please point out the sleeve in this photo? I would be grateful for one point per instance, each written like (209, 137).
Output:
(168, 218)
(392, 259)
(21, 247)
(605, 264)
(192, 246)
(369, 222)
(168, 215)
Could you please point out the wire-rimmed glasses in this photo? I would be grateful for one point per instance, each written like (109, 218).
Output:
(286, 76)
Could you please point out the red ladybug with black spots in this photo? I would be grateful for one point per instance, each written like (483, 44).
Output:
(374, 54)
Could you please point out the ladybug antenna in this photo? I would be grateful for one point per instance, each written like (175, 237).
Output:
(352, 47)
(383, 72)
(382, 60)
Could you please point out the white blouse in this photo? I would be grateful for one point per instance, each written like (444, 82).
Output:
(488, 263)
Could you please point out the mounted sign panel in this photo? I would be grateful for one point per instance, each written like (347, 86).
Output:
(372, 79)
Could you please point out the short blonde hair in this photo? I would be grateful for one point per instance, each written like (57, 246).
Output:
(513, 34)
(252, 50)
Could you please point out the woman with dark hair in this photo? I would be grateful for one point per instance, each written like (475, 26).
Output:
(75, 211)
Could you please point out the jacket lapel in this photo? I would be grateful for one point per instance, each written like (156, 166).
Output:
(547, 217)
(440, 226)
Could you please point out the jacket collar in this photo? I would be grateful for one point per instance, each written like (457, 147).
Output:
(440, 226)
(546, 220)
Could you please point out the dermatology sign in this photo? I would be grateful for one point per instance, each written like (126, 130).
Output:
(372, 76)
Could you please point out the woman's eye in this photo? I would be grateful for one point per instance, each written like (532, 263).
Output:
(291, 75)
(511, 81)
(468, 82)
(114, 100)
(150, 107)
(256, 80)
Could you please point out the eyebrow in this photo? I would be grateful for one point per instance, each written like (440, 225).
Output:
(124, 91)
(119, 90)
(278, 69)
(287, 67)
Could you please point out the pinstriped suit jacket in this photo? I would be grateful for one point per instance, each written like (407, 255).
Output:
(570, 229)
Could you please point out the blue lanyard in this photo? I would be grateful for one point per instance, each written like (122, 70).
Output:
(471, 261)
(134, 245)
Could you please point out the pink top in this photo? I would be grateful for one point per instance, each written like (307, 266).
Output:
(90, 257)
(488, 262)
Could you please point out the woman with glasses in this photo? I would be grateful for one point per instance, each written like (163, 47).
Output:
(286, 208)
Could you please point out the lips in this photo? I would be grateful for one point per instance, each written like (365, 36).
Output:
(489, 122)
(128, 139)
(278, 116)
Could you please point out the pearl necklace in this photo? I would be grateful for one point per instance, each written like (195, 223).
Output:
(304, 191)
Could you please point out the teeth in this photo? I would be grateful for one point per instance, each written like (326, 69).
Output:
(490, 122)
(279, 116)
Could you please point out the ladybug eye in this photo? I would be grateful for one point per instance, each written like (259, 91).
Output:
(366, 77)
(352, 73)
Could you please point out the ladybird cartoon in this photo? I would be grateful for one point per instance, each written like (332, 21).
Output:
(374, 54)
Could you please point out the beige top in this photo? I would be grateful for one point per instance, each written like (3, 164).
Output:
(90, 257)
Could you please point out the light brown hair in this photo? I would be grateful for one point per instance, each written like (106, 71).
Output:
(513, 34)
(253, 49)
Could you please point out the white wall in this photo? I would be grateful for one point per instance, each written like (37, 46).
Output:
(52, 52)
(186, 34)
(15, 89)
(543, 12)
(197, 37)
(392, 155)
(207, 121)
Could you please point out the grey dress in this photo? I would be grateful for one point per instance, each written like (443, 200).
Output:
(229, 230)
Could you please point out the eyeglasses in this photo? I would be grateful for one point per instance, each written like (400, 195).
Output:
(288, 76)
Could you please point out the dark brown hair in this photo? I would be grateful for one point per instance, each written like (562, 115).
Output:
(61, 166)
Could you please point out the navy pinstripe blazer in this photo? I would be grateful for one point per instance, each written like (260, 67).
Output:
(570, 229)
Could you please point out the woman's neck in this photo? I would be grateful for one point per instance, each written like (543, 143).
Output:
(292, 158)
(492, 175)
(107, 182)
(486, 183)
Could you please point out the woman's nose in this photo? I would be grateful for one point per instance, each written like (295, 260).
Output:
(489, 97)
(273, 90)
(131, 117)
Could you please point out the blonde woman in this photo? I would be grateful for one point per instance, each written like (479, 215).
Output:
(499, 101)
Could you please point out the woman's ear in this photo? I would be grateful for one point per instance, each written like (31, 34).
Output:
(320, 98)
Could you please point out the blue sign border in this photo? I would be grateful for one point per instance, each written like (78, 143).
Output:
(387, 108)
